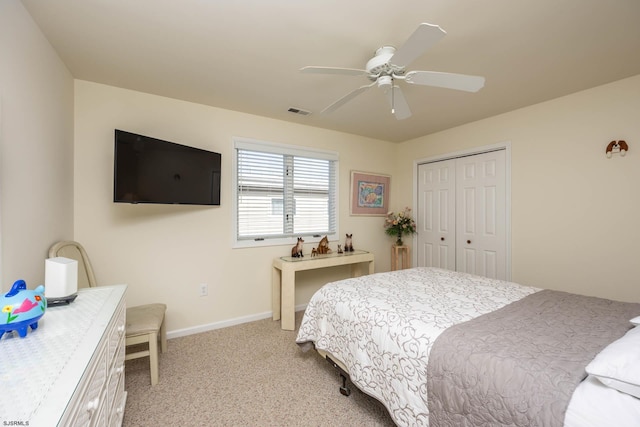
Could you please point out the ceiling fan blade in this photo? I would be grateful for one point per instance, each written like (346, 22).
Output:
(398, 102)
(445, 80)
(425, 36)
(348, 97)
(333, 70)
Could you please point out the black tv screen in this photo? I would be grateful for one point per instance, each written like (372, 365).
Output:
(150, 170)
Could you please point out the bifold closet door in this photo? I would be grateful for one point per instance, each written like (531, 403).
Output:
(436, 216)
(481, 214)
(462, 214)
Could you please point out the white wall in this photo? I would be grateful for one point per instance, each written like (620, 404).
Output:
(165, 251)
(574, 212)
(36, 147)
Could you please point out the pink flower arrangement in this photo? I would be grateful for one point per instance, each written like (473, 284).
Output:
(397, 224)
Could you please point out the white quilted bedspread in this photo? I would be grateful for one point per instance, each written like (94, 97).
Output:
(382, 327)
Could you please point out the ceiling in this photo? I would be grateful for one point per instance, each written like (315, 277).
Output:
(245, 55)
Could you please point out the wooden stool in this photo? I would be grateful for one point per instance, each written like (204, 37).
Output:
(397, 252)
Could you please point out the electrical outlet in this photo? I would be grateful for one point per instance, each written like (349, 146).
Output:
(204, 289)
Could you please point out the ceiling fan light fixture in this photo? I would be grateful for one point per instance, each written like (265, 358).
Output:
(385, 82)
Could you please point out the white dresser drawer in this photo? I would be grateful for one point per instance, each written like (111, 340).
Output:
(117, 412)
(90, 391)
(101, 418)
(62, 370)
(117, 374)
(117, 329)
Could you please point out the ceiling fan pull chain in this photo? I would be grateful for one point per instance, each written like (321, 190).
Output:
(393, 101)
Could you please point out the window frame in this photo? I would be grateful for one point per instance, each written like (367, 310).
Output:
(291, 150)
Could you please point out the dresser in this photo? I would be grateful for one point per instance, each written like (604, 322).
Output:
(70, 370)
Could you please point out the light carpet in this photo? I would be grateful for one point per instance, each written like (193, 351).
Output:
(252, 374)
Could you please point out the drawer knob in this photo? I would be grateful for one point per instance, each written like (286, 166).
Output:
(442, 238)
(93, 404)
(468, 241)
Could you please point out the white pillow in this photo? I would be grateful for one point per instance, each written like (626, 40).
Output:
(618, 364)
(635, 320)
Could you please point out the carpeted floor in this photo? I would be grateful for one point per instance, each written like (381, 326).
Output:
(247, 375)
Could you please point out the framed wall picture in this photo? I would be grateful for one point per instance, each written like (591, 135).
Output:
(369, 193)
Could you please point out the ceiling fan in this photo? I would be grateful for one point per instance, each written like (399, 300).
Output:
(389, 65)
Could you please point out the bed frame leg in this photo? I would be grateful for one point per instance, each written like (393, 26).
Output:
(344, 390)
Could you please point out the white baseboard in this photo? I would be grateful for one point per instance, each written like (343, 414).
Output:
(224, 323)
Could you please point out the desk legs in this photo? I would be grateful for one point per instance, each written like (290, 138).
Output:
(283, 293)
(276, 277)
(362, 269)
(288, 309)
(283, 297)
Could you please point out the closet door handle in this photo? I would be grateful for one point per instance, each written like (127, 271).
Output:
(442, 238)
(468, 242)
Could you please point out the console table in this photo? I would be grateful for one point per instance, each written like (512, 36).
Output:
(70, 370)
(283, 278)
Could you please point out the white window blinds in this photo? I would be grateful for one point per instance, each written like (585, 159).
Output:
(284, 191)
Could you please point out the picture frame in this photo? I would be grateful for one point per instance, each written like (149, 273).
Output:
(370, 193)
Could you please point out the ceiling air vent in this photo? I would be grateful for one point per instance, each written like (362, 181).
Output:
(298, 111)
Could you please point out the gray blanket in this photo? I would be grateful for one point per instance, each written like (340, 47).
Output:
(519, 365)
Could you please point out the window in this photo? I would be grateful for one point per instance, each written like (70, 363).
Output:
(283, 192)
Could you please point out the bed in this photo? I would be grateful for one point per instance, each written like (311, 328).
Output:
(443, 348)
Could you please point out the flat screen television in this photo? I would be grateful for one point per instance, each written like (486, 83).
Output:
(150, 170)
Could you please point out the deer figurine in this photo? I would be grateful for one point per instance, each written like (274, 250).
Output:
(296, 251)
(323, 246)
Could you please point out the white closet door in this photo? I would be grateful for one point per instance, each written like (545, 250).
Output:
(461, 214)
(436, 218)
(481, 214)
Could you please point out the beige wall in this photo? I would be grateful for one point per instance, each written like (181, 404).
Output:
(36, 147)
(165, 251)
(574, 212)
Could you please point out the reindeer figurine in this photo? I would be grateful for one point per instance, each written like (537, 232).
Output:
(296, 251)
(348, 244)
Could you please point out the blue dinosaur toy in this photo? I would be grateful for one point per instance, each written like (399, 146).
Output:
(23, 308)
